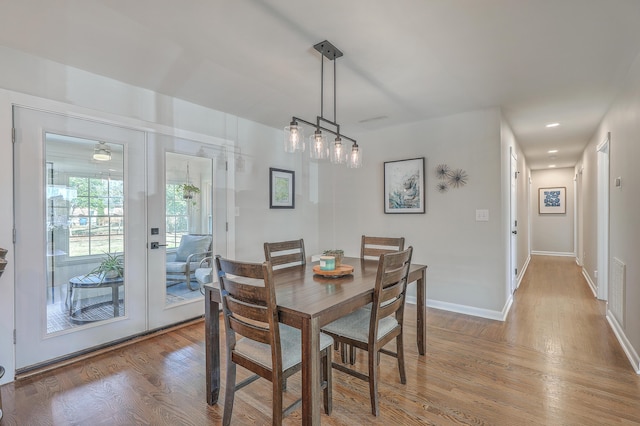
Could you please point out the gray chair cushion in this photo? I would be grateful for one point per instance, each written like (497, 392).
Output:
(356, 325)
(180, 267)
(190, 244)
(204, 275)
(289, 343)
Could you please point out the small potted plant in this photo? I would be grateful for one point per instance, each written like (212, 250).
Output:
(338, 254)
(112, 266)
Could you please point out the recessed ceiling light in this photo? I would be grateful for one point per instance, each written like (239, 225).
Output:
(552, 151)
(552, 125)
(551, 166)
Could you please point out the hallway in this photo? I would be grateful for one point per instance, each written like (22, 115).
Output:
(555, 361)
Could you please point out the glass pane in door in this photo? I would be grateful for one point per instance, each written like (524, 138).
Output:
(188, 227)
(84, 231)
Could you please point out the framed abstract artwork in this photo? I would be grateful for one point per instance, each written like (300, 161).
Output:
(404, 184)
(282, 189)
(552, 200)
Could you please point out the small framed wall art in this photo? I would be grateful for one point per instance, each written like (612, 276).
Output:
(404, 184)
(552, 200)
(282, 188)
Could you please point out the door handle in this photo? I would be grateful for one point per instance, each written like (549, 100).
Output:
(513, 232)
(156, 245)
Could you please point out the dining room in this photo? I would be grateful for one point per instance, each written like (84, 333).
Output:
(455, 182)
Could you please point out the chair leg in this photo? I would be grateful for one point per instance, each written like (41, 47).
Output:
(352, 354)
(277, 414)
(343, 352)
(230, 391)
(373, 380)
(400, 356)
(326, 377)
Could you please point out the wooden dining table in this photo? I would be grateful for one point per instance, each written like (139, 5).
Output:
(308, 301)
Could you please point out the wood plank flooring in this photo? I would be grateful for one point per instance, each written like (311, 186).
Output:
(555, 361)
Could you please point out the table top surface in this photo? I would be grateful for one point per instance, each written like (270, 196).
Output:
(301, 293)
(94, 280)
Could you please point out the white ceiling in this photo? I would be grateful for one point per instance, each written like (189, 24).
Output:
(541, 61)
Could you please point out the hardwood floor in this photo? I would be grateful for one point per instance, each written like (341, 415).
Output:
(555, 361)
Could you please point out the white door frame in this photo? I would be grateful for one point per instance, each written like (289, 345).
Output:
(513, 218)
(578, 219)
(602, 282)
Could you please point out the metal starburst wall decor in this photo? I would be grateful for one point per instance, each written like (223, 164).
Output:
(450, 178)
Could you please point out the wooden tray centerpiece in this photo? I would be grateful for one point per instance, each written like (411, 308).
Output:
(339, 271)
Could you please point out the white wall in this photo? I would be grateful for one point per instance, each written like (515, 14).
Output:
(623, 121)
(552, 233)
(256, 223)
(465, 258)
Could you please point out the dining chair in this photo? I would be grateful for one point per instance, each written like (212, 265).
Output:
(371, 248)
(285, 254)
(257, 341)
(371, 329)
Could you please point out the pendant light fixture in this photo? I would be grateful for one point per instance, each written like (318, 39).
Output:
(102, 152)
(336, 151)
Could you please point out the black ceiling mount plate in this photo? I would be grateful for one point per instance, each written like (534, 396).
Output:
(328, 50)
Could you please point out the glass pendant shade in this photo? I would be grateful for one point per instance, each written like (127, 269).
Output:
(293, 137)
(338, 154)
(355, 157)
(101, 152)
(318, 145)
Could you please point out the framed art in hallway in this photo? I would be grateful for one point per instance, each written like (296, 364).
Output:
(552, 200)
(281, 189)
(404, 184)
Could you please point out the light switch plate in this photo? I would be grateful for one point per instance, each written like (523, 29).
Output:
(482, 215)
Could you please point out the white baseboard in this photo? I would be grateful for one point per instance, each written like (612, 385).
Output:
(553, 253)
(523, 270)
(628, 349)
(470, 310)
(592, 286)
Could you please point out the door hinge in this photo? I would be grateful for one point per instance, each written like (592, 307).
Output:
(226, 166)
(14, 235)
(14, 336)
(515, 272)
(226, 226)
(13, 134)
(515, 223)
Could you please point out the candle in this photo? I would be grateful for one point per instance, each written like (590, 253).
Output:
(327, 263)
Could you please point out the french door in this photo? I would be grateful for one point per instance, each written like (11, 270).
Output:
(186, 193)
(90, 198)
